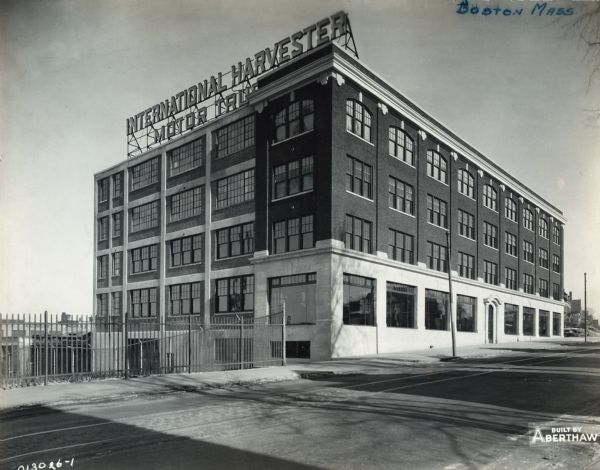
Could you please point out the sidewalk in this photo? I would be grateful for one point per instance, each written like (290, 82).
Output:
(98, 391)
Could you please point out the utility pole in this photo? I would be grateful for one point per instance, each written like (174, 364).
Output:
(585, 303)
(450, 293)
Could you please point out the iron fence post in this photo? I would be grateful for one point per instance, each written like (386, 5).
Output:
(46, 347)
(283, 358)
(190, 344)
(125, 355)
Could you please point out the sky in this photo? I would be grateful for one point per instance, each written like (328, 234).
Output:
(71, 71)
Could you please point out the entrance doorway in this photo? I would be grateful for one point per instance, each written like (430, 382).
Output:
(490, 324)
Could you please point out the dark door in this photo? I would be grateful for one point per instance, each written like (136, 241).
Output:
(490, 324)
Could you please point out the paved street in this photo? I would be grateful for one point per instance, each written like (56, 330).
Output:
(471, 414)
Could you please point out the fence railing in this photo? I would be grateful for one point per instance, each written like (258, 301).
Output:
(39, 348)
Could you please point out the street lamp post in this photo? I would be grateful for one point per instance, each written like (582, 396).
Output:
(450, 293)
(585, 303)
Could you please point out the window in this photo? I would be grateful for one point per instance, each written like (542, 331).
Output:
(436, 257)
(436, 310)
(490, 197)
(510, 278)
(102, 305)
(144, 217)
(235, 241)
(528, 219)
(543, 227)
(466, 265)
(466, 224)
(186, 204)
(293, 177)
(359, 177)
(103, 190)
(437, 211)
(358, 234)
(102, 229)
(511, 319)
(117, 304)
(510, 209)
(235, 189)
(527, 283)
(466, 312)
(187, 250)
(299, 295)
(185, 299)
(358, 119)
(187, 157)
(466, 183)
(145, 174)
(556, 324)
(437, 167)
(117, 259)
(293, 234)
(401, 301)
(543, 287)
(543, 258)
(510, 243)
(556, 234)
(143, 302)
(401, 145)
(144, 259)
(490, 235)
(490, 272)
(556, 263)
(359, 301)
(528, 251)
(117, 185)
(234, 294)
(528, 321)
(116, 224)
(401, 246)
(401, 196)
(102, 266)
(544, 323)
(556, 291)
(234, 137)
(296, 118)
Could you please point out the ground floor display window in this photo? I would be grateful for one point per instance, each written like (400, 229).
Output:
(401, 301)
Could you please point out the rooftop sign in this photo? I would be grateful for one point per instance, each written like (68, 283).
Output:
(225, 92)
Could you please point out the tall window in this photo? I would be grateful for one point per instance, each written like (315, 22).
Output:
(528, 251)
(556, 263)
(543, 287)
(144, 259)
(401, 246)
(466, 224)
(510, 209)
(437, 211)
(528, 219)
(437, 166)
(544, 323)
(555, 291)
(102, 265)
(102, 305)
(359, 300)
(528, 321)
(117, 184)
(234, 294)
(490, 235)
(401, 196)
(117, 259)
(235, 189)
(466, 265)
(116, 224)
(527, 283)
(466, 183)
(103, 190)
(358, 119)
(293, 177)
(358, 234)
(235, 137)
(436, 310)
(186, 204)
(510, 278)
(296, 118)
(511, 319)
(143, 302)
(102, 229)
(401, 301)
(490, 197)
(235, 241)
(510, 243)
(543, 227)
(556, 234)
(466, 313)
(359, 177)
(299, 295)
(293, 234)
(490, 272)
(185, 299)
(556, 324)
(144, 217)
(543, 258)
(401, 145)
(145, 174)
(187, 157)
(436, 257)
(117, 304)
(187, 250)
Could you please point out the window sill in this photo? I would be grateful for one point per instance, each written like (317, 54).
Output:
(438, 226)
(199, 263)
(287, 139)
(467, 238)
(245, 255)
(173, 175)
(283, 198)
(467, 196)
(405, 213)
(490, 209)
(400, 160)
(360, 196)
(490, 247)
(511, 255)
(439, 181)
(360, 138)
(143, 272)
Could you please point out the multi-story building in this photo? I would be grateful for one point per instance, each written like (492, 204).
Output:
(330, 192)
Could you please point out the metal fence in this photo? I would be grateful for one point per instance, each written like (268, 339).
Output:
(39, 348)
